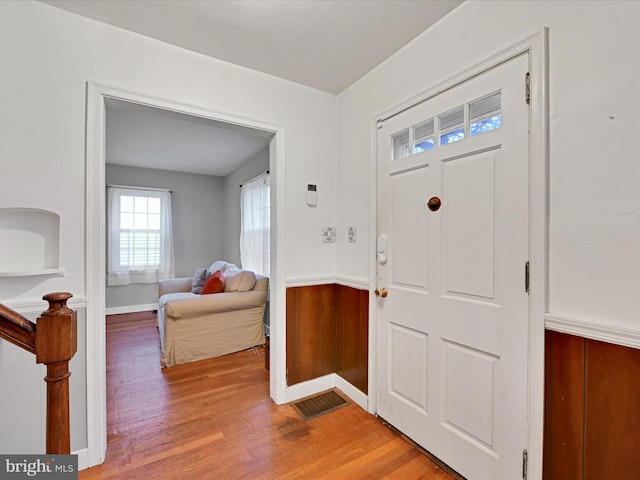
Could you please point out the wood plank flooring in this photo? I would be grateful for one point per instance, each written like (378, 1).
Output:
(214, 419)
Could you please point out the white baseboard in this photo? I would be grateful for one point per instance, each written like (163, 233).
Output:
(83, 458)
(131, 309)
(317, 385)
(310, 387)
(352, 392)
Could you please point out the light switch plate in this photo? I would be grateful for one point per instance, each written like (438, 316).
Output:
(352, 234)
(328, 234)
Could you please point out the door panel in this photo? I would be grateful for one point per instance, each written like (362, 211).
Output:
(469, 373)
(409, 266)
(469, 195)
(452, 334)
(409, 347)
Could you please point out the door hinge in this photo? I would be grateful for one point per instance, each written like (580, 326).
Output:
(527, 88)
(526, 277)
(525, 464)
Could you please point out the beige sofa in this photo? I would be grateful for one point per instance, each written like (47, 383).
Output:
(194, 327)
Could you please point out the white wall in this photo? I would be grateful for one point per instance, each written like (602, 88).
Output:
(47, 57)
(594, 168)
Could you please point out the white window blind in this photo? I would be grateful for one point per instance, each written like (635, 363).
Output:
(140, 236)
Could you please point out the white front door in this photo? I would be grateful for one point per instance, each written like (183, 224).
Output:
(452, 331)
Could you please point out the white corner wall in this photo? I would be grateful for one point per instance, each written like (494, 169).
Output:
(48, 55)
(594, 170)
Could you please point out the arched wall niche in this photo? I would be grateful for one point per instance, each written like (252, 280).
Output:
(29, 242)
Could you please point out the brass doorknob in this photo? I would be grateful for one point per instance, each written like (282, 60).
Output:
(434, 204)
(380, 293)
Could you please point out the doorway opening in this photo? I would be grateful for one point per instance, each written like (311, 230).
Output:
(99, 97)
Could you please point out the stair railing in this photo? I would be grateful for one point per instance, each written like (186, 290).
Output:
(54, 341)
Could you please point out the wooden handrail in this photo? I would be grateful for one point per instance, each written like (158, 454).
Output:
(54, 341)
(16, 329)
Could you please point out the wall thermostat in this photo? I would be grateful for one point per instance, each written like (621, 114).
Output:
(312, 195)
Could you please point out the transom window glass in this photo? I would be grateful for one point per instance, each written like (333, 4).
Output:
(468, 120)
(451, 125)
(424, 136)
(401, 145)
(484, 114)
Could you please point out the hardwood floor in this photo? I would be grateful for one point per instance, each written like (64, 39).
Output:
(214, 419)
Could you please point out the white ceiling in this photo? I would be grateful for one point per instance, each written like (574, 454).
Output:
(324, 44)
(147, 137)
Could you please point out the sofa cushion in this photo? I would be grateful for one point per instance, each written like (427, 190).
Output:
(199, 279)
(214, 284)
(240, 281)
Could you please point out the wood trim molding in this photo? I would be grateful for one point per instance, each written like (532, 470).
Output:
(310, 281)
(625, 335)
(353, 282)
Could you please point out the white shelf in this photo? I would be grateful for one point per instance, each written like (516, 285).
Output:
(29, 242)
(57, 272)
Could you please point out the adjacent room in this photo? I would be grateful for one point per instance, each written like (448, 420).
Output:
(202, 165)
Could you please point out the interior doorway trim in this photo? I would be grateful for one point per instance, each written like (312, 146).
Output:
(536, 46)
(95, 261)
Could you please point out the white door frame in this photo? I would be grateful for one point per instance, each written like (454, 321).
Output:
(95, 262)
(536, 46)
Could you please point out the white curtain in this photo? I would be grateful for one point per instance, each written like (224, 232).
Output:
(255, 242)
(140, 236)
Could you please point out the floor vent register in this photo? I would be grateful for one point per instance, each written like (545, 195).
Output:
(320, 404)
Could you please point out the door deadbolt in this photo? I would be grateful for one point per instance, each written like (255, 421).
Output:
(434, 204)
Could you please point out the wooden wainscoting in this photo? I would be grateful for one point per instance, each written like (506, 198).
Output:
(311, 332)
(592, 409)
(327, 332)
(352, 325)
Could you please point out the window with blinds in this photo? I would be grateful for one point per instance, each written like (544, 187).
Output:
(140, 236)
(139, 231)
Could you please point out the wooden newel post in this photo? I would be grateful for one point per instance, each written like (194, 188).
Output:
(56, 343)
